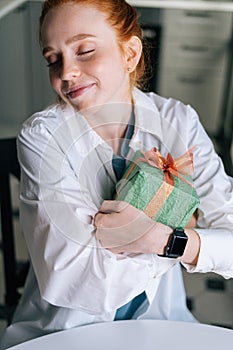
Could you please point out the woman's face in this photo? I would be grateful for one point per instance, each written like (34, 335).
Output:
(86, 66)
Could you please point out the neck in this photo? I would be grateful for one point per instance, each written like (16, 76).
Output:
(110, 122)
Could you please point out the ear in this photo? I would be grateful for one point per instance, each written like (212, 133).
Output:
(133, 51)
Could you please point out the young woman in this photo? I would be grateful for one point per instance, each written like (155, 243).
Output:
(95, 259)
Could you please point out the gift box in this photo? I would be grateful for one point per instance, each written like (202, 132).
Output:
(161, 187)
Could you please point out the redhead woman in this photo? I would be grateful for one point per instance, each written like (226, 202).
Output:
(95, 259)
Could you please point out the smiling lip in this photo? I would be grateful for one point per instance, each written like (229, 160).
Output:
(78, 90)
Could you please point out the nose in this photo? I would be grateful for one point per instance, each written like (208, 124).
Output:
(69, 69)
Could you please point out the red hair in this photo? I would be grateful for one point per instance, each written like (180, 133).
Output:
(121, 17)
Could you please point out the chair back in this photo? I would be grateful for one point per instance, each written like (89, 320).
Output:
(14, 271)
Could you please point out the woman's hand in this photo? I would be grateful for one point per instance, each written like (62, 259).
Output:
(120, 227)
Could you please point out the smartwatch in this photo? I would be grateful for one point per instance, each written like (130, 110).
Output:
(176, 244)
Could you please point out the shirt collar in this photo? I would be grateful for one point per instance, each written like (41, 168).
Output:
(147, 120)
(81, 131)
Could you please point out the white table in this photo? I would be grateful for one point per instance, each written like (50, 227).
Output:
(135, 335)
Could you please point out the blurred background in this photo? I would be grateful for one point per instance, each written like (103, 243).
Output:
(191, 45)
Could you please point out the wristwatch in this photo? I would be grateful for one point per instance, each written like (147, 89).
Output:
(176, 244)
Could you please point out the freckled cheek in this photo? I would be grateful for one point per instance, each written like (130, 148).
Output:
(101, 69)
(96, 67)
(110, 64)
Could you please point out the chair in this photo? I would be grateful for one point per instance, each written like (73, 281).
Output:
(14, 271)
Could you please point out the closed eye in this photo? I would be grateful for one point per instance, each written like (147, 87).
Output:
(54, 62)
(58, 61)
(85, 52)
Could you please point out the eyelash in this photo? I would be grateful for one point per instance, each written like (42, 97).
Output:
(52, 64)
(86, 52)
(79, 54)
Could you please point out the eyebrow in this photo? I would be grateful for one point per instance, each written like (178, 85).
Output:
(71, 40)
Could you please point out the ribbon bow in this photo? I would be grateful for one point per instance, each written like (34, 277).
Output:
(182, 165)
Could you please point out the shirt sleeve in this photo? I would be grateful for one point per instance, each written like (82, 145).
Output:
(215, 189)
(71, 268)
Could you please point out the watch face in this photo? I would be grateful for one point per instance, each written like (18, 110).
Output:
(178, 245)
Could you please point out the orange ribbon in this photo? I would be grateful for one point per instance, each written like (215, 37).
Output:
(182, 165)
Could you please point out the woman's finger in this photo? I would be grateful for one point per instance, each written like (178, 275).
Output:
(113, 206)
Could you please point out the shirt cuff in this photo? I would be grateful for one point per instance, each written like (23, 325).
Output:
(216, 252)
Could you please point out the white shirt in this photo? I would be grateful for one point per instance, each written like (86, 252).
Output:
(66, 174)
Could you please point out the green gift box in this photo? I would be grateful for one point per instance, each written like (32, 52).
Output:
(154, 185)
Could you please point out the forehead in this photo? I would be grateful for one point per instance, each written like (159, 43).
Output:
(71, 19)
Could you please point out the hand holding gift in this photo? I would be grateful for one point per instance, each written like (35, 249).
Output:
(124, 228)
(140, 220)
(161, 187)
